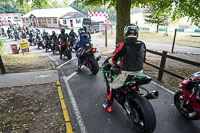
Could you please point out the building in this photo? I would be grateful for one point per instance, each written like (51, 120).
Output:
(14, 18)
(72, 19)
(48, 17)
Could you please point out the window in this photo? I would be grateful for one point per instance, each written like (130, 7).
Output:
(49, 21)
(64, 22)
(54, 21)
(15, 17)
(27, 20)
(78, 21)
(43, 20)
(9, 17)
(23, 20)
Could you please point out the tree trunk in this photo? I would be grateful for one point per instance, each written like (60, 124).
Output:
(123, 8)
(157, 28)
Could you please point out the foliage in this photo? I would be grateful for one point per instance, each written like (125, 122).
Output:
(9, 8)
(158, 13)
(189, 8)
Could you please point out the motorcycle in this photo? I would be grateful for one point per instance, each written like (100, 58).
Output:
(187, 98)
(132, 99)
(87, 58)
(67, 50)
(39, 41)
(47, 42)
(16, 35)
(57, 46)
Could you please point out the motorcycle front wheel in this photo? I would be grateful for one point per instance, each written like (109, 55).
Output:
(68, 53)
(142, 115)
(186, 111)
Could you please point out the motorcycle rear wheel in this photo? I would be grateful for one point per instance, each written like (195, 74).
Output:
(178, 101)
(94, 65)
(142, 115)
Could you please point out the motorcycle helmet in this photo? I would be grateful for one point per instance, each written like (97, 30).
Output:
(81, 30)
(62, 30)
(131, 30)
(85, 28)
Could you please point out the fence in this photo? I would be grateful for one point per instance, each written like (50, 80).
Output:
(164, 56)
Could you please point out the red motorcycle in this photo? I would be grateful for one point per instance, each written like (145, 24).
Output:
(187, 99)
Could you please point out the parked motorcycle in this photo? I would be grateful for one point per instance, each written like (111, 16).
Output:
(187, 98)
(87, 58)
(136, 104)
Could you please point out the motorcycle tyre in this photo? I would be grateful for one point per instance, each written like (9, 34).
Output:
(148, 114)
(68, 54)
(176, 96)
(95, 65)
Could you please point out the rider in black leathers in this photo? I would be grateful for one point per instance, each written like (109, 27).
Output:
(63, 38)
(72, 37)
(54, 38)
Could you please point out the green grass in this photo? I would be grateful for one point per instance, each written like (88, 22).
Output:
(150, 36)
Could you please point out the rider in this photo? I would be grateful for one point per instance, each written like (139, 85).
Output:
(8, 32)
(86, 31)
(72, 36)
(64, 38)
(54, 38)
(132, 54)
(82, 39)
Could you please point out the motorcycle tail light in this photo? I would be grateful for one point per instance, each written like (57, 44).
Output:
(94, 50)
(133, 88)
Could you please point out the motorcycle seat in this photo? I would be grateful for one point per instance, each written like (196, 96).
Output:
(139, 79)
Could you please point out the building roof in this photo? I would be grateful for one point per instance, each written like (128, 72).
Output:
(73, 15)
(50, 12)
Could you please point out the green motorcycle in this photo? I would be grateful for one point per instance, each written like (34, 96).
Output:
(136, 104)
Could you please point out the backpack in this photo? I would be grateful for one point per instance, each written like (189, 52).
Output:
(84, 39)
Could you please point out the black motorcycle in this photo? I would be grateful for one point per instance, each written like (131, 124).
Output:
(47, 42)
(139, 110)
(67, 51)
(16, 35)
(86, 57)
(57, 46)
(39, 41)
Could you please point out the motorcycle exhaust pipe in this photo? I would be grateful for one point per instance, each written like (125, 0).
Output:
(152, 95)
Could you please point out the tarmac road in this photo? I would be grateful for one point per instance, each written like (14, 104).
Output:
(84, 95)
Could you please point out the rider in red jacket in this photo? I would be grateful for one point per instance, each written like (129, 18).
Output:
(132, 55)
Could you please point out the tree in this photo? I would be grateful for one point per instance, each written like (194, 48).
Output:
(10, 8)
(190, 8)
(155, 16)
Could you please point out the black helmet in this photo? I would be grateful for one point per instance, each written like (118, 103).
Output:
(53, 32)
(81, 30)
(62, 30)
(85, 28)
(131, 30)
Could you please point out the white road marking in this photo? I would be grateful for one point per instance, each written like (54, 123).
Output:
(66, 63)
(163, 88)
(74, 104)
